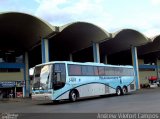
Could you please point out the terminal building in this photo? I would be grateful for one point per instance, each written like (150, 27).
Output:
(26, 41)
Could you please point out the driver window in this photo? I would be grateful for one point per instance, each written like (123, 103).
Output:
(59, 72)
(58, 76)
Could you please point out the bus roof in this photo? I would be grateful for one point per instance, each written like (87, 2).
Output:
(85, 63)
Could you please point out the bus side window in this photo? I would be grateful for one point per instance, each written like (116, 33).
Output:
(95, 70)
(74, 70)
(101, 70)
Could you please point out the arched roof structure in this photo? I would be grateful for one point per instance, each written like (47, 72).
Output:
(21, 30)
(123, 40)
(79, 35)
(152, 47)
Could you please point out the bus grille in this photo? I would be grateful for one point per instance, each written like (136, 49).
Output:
(131, 86)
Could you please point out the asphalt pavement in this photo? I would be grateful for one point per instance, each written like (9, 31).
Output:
(141, 101)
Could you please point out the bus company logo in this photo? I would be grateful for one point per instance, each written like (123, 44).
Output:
(8, 116)
(108, 77)
(72, 79)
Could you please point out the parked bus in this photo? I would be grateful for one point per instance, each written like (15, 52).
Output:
(61, 80)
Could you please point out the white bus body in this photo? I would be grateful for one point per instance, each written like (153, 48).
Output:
(71, 80)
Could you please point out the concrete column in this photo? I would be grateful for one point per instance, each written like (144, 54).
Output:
(26, 75)
(24, 91)
(70, 57)
(157, 69)
(15, 92)
(96, 54)
(45, 50)
(105, 59)
(135, 64)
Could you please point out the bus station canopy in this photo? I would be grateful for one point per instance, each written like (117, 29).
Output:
(123, 40)
(152, 49)
(21, 31)
(79, 35)
(24, 31)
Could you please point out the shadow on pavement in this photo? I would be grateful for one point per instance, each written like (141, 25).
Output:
(81, 99)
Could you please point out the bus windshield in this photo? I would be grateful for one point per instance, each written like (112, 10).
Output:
(41, 77)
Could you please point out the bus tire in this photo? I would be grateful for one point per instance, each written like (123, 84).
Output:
(124, 90)
(118, 91)
(73, 96)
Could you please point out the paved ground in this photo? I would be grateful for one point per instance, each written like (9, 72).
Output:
(147, 100)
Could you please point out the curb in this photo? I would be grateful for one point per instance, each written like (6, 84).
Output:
(14, 99)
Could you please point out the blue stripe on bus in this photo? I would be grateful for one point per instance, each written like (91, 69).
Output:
(87, 84)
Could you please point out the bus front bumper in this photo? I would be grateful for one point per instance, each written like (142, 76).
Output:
(42, 97)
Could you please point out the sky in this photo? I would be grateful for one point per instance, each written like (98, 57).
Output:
(111, 15)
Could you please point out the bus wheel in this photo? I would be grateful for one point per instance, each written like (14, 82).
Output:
(73, 96)
(124, 90)
(118, 91)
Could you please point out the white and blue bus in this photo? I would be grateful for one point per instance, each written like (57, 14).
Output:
(61, 80)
